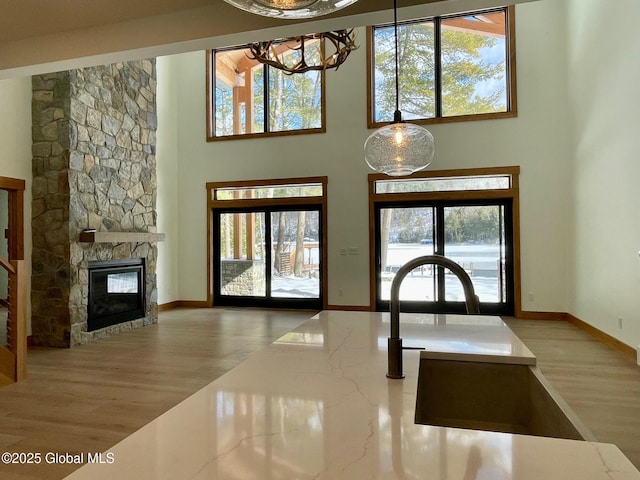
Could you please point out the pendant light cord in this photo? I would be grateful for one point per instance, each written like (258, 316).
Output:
(397, 116)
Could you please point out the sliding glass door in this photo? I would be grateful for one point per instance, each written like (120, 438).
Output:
(268, 257)
(295, 266)
(478, 236)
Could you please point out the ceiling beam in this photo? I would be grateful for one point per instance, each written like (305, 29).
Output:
(212, 26)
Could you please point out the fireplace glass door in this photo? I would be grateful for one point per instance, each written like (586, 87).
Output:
(116, 292)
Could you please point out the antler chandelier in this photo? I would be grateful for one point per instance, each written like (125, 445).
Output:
(291, 8)
(334, 48)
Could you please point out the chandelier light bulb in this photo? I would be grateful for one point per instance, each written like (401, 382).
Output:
(291, 9)
(398, 137)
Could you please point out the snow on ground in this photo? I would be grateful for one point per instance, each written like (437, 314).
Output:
(422, 288)
(293, 287)
(416, 286)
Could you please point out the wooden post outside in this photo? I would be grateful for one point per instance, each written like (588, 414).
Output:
(237, 231)
(250, 231)
(248, 101)
(237, 118)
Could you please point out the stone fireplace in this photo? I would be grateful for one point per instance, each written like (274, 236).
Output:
(93, 170)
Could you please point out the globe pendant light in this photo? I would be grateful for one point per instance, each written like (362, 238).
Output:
(292, 9)
(399, 148)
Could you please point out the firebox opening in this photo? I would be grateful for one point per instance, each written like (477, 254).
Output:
(116, 292)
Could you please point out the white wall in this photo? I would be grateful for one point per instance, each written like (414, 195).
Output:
(15, 148)
(537, 141)
(604, 75)
(15, 130)
(167, 177)
(542, 146)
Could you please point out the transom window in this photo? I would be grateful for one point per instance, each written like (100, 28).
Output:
(279, 191)
(247, 98)
(470, 216)
(436, 184)
(451, 68)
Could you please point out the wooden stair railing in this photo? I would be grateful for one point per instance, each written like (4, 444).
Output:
(13, 359)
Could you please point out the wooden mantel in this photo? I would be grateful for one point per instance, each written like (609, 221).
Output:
(120, 237)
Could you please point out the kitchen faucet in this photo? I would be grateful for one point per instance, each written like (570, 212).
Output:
(394, 342)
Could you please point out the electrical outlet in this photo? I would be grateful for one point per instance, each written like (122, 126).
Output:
(340, 292)
(531, 297)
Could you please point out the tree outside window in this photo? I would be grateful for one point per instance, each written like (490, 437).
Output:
(255, 99)
(454, 67)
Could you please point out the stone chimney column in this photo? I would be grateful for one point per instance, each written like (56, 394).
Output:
(94, 140)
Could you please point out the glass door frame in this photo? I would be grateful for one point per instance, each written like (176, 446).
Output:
(268, 300)
(248, 202)
(440, 304)
(509, 192)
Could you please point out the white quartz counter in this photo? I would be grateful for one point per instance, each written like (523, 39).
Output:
(472, 338)
(317, 405)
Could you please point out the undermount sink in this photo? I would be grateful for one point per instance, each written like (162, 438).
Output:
(497, 397)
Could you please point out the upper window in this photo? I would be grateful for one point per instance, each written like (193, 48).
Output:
(247, 98)
(451, 184)
(308, 189)
(451, 68)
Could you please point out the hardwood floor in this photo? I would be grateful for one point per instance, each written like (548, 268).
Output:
(599, 383)
(88, 398)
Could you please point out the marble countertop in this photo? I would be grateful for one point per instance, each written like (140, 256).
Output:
(317, 405)
(473, 338)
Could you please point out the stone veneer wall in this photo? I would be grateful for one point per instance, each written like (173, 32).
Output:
(93, 167)
(242, 277)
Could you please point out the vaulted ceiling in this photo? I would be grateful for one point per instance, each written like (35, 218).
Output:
(48, 35)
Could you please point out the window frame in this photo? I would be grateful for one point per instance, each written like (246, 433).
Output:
(505, 306)
(211, 108)
(511, 84)
(511, 194)
(318, 202)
